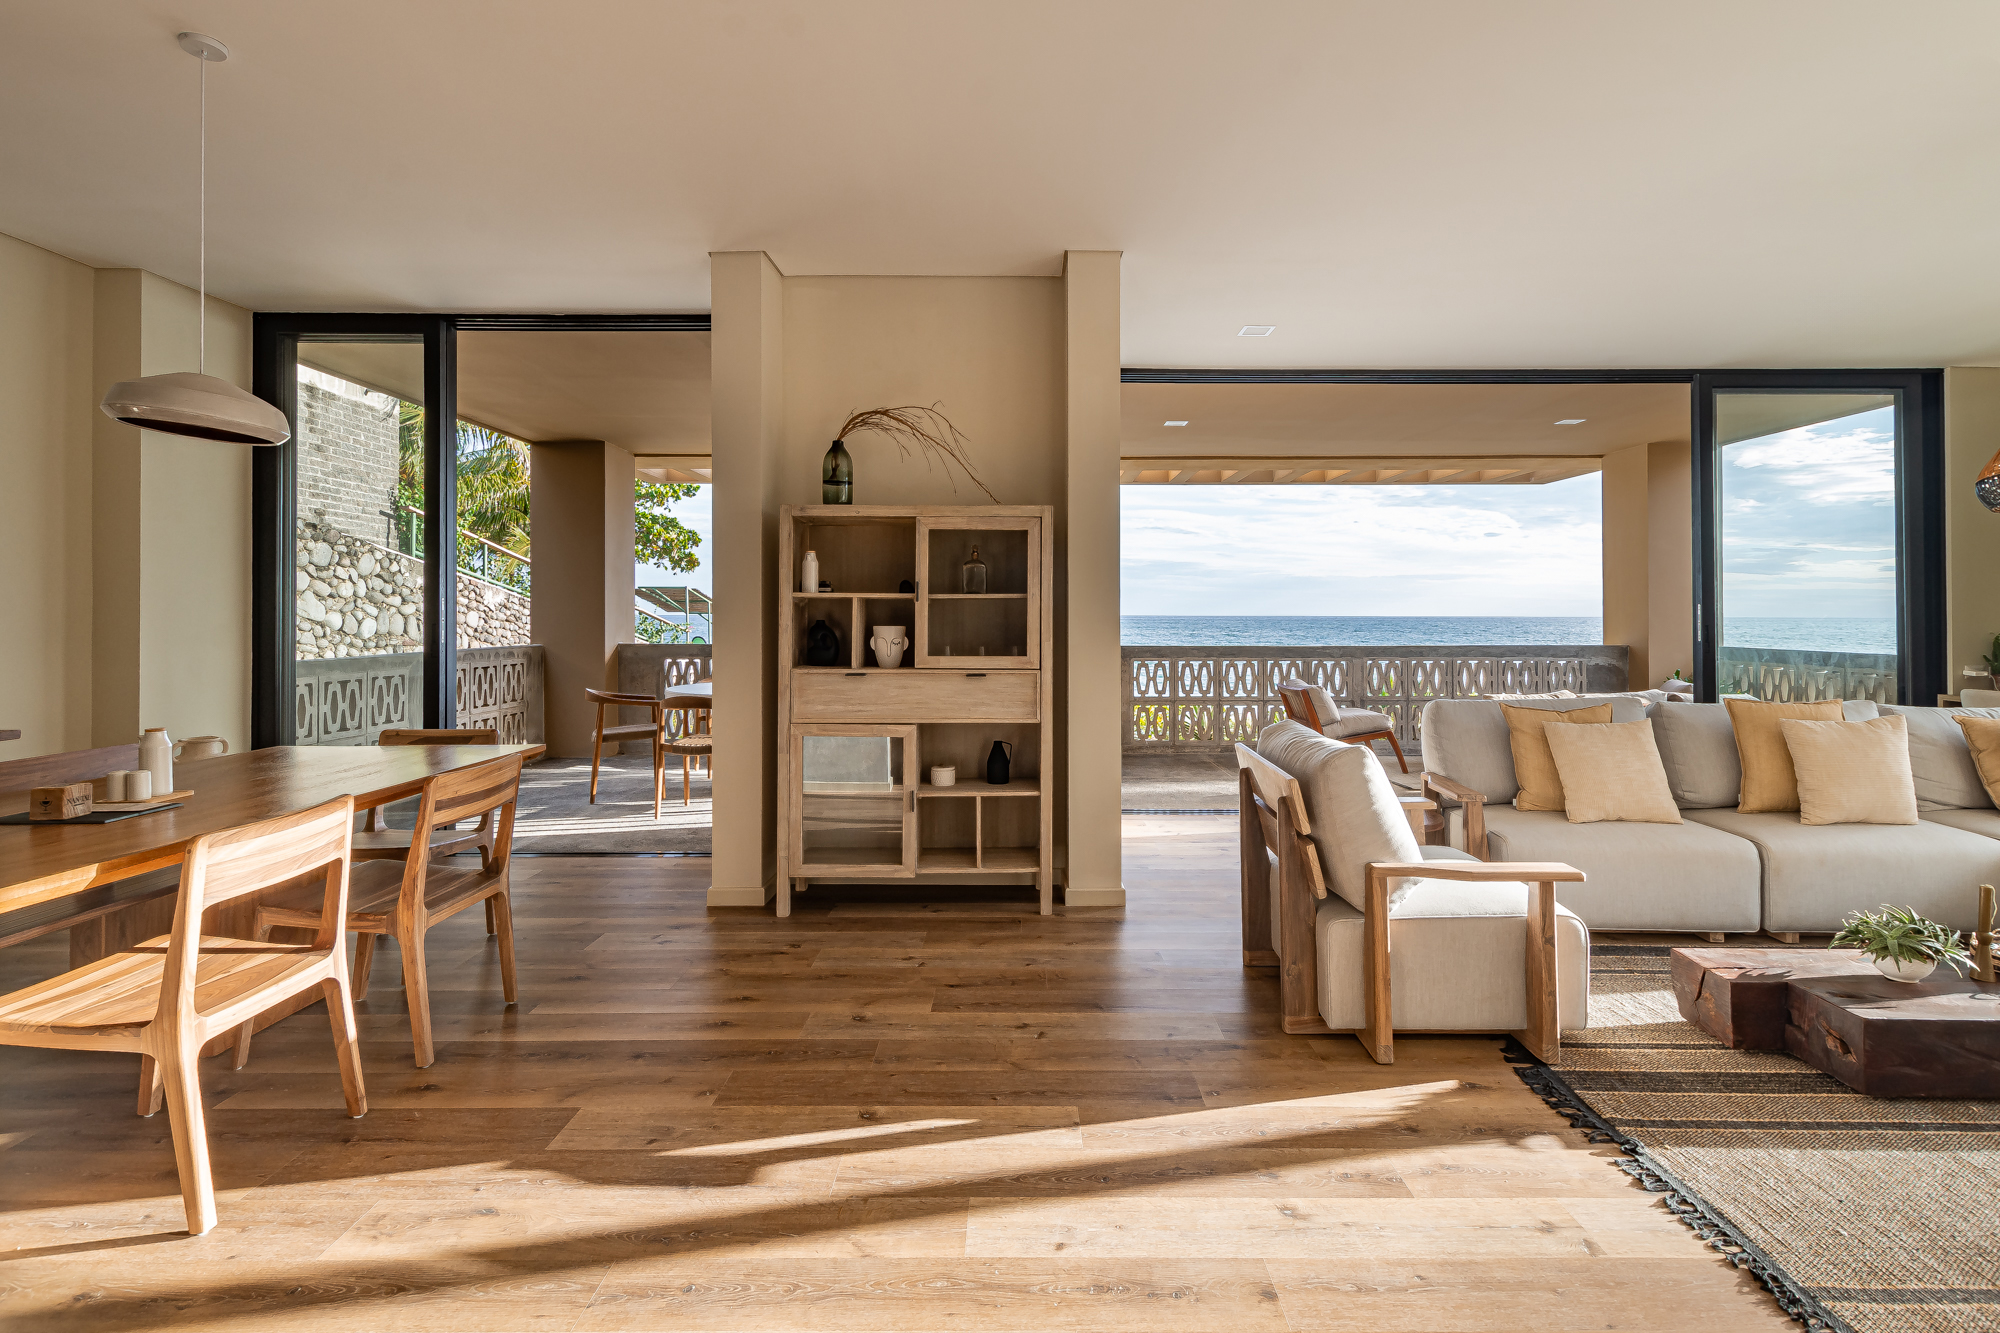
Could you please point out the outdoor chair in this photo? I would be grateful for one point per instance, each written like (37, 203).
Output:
(689, 747)
(1314, 707)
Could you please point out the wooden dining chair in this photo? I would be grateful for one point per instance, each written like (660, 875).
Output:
(377, 842)
(167, 997)
(689, 747)
(406, 898)
(1355, 726)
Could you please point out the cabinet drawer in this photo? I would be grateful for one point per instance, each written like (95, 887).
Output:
(916, 696)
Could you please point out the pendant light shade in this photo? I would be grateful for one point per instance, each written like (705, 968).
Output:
(203, 406)
(196, 403)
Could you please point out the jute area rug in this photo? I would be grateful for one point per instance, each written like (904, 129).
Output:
(1862, 1214)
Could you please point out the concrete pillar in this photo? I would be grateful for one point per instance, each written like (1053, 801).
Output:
(1971, 532)
(170, 571)
(747, 301)
(1649, 558)
(580, 500)
(1087, 584)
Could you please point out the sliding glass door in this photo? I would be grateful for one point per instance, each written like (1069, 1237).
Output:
(353, 612)
(1819, 544)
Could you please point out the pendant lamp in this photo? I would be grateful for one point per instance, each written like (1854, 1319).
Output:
(198, 403)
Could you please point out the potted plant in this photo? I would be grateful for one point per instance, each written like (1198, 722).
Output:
(1903, 945)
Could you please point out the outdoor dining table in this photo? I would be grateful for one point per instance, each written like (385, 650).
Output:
(45, 863)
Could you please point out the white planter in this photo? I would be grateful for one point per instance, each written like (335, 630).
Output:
(1898, 970)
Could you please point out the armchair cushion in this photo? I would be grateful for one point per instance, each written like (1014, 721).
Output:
(1359, 722)
(1456, 957)
(1354, 812)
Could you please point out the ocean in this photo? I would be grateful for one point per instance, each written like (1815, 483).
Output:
(1822, 635)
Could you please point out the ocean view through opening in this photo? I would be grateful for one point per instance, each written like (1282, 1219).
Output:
(1851, 635)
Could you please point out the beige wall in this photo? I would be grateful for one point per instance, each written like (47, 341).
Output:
(793, 356)
(1648, 558)
(127, 552)
(1972, 534)
(46, 411)
(581, 497)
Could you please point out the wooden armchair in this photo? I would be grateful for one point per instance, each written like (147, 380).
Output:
(688, 747)
(1284, 883)
(1306, 703)
(375, 841)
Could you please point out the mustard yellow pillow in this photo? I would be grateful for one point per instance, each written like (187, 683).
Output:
(1982, 737)
(1612, 773)
(1853, 772)
(1534, 766)
(1769, 780)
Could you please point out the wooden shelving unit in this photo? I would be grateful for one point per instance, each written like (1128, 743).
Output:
(858, 739)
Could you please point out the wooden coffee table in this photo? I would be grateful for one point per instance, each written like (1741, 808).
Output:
(1833, 1010)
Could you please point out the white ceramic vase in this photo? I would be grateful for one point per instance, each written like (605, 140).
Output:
(1898, 970)
(156, 754)
(889, 641)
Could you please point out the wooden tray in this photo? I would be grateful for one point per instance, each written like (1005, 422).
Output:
(103, 814)
(140, 807)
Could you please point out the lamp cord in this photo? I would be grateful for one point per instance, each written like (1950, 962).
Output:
(201, 292)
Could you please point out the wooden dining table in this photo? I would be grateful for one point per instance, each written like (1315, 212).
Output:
(45, 862)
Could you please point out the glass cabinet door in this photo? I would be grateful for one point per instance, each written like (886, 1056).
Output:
(855, 800)
(980, 596)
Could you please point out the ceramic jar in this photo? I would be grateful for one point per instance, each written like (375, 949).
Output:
(889, 642)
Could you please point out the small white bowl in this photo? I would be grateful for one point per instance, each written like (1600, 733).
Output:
(1897, 970)
(944, 775)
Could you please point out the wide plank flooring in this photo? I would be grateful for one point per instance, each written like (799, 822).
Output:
(873, 1115)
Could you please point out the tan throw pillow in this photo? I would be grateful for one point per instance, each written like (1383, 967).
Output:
(1769, 782)
(1982, 737)
(1853, 772)
(1612, 773)
(1534, 766)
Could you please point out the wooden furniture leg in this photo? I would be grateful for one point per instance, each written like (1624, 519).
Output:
(596, 751)
(364, 962)
(1542, 1036)
(151, 1090)
(346, 1045)
(180, 1068)
(1378, 1035)
(1254, 874)
(1390, 737)
(503, 912)
(416, 988)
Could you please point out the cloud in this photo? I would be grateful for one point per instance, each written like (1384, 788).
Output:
(1856, 466)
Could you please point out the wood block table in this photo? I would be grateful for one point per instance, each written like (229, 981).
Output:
(1833, 1010)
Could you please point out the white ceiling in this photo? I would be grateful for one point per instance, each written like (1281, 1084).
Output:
(1455, 183)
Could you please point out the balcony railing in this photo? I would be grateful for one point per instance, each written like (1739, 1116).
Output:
(1208, 698)
(1788, 675)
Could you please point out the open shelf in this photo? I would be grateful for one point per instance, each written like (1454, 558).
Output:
(959, 860)
(981, 787)
(844, 595)
(978, 596)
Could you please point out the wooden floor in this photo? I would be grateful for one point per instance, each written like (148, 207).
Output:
(874, 1115)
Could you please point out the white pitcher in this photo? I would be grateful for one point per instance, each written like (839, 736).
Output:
(156, 754)
(201, 747)
(889, 643)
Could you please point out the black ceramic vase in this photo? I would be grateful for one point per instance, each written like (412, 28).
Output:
(836, 476)
(1000, 763)
(822, 645)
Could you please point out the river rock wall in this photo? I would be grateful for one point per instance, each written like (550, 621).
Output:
(356, 599)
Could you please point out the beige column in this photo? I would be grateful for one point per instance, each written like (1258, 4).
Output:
(1971, 531)
(1087, 584)
(170, 606)
(580, 497)
(1649, 558)
(747, 301)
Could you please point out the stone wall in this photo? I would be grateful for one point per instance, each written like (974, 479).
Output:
(348, 452)
(357, 599)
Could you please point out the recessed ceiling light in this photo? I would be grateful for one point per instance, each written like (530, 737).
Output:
(1173, 423)
(1572, 421)
(1257, 330)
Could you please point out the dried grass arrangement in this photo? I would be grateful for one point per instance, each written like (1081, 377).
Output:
(926, 428)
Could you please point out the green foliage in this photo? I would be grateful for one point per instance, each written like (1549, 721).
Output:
(1992, 658)
(662, 540)
(651, 629)
(1900, 933)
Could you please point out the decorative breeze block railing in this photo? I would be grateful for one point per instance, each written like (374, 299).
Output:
(1208, 698)
(1792, 675)
(352, 700)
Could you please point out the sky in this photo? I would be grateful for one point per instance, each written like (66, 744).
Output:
(1362, 550)
(1809, 521)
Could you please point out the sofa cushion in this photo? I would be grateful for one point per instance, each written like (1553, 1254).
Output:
(1466, 739)
(1816, 874)
(1852, 772)
(1769, 780)
(1982, 738)
(1986, 823)
(1641, 876)
(1940, 764)
(1457, 960)
(1612, 773)
(1698, 751)
(1355, 815)
(1534, 765)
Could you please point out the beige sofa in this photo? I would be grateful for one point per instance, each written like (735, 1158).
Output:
(1724, 871)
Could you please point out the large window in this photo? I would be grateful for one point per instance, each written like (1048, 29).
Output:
(1820, 578)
